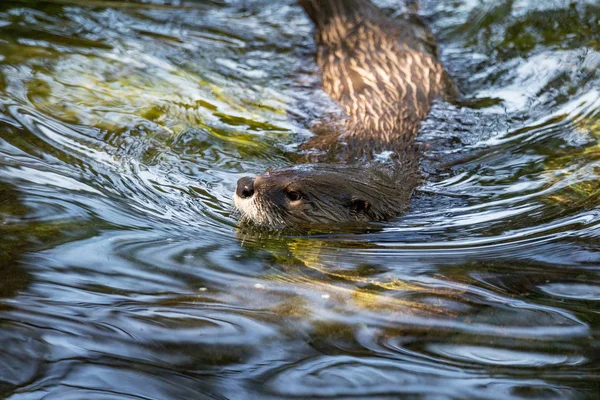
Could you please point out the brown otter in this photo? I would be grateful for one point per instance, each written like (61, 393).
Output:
(385, 73)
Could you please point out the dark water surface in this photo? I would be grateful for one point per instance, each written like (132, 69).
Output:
(124, 126)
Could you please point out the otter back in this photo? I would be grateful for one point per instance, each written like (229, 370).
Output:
(384, 72)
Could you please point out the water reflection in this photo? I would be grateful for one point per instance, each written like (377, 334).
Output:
(124, 127)
(15, 242)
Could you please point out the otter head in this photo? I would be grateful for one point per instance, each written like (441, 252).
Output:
(321, 195)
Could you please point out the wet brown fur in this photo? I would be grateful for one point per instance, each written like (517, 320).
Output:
(385, 74)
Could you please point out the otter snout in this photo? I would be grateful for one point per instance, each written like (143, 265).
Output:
(245, 187)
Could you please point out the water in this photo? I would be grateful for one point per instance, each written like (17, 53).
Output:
(124, 126)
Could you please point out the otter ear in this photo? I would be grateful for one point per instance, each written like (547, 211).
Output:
(359, 205)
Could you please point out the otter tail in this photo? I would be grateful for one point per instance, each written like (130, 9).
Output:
(323, 11)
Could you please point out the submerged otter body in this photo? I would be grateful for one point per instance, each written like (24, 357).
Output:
(385, 74)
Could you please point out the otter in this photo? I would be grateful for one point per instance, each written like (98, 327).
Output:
(385, 73)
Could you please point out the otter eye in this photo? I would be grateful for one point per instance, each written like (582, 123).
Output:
(293, 196)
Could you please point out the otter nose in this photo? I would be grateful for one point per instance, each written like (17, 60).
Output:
(245, 187)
